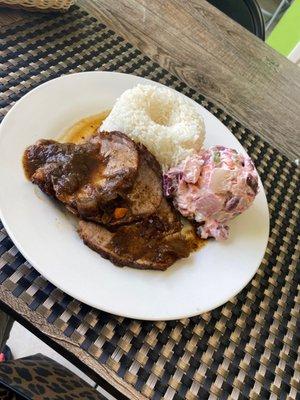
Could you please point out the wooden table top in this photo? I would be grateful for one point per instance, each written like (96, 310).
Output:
(212, 54)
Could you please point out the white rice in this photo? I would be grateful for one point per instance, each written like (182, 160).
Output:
(165, 122)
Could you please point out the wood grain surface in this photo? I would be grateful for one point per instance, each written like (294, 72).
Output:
(213, 54)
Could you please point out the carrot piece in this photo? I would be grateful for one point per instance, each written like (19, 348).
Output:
(120, 212)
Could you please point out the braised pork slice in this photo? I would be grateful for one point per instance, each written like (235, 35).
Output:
(85, 177)
(142, 200)
(115, 187)
(142, 245)
(108, 179)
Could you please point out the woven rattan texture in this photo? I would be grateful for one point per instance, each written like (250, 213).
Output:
(249, 348)
(38, 5)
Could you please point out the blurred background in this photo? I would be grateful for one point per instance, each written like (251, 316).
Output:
(275, 21)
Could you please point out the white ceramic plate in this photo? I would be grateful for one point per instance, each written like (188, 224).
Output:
(47, 236)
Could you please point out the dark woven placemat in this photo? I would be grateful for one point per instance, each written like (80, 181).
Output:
(246, 349)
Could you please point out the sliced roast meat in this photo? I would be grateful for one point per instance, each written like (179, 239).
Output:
(115, 187)
(85, 177)
(142, 245)
(142, 200)
(168, 216)
(147, 192)
(108, 179)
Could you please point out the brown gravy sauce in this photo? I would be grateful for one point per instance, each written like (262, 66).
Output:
(83, 129)
(194, 241)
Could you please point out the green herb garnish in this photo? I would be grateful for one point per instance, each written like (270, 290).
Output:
(217, 157)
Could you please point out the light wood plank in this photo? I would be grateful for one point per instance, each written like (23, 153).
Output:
(213, 54)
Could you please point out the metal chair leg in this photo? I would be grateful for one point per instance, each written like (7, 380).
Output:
(279, 9)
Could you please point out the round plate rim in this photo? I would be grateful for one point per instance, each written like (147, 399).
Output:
(56, 282)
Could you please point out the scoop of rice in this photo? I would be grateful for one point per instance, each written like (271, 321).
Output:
(169, 125)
